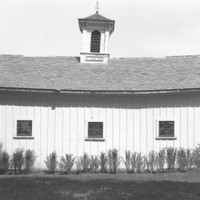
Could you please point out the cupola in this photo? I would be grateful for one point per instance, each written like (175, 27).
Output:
(96, 31)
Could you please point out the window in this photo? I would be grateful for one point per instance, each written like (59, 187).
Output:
(95, 129)
(24, 128)
(166, 129)
(95, 41)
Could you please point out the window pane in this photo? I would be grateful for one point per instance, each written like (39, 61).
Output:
(95, 125)
(24, 127)
(166, 128)
(95, 41)
(95, 129)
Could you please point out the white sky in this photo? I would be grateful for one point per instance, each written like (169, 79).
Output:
(143, 28)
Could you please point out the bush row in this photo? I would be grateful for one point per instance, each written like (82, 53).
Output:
(166, 160)
(20, 162)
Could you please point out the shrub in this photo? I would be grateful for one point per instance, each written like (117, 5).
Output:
(18, 160)
(182, 160)
(4, 162)
(30, 158)
(151, 161)
(103, 162)
(85, 162)
(134, 162)
(78, 166)
(127, 161)
(196, 157)
(161, 158)
(66, 163)
(51, 162)
(171, 158)
(190, 159)
(140, 163)
(113, 160)
(94, 164)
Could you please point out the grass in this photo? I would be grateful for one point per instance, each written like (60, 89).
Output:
(166, 186)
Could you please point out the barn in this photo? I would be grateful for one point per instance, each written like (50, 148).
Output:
(91, 103)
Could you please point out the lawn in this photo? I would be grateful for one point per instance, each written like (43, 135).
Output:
(101, 186)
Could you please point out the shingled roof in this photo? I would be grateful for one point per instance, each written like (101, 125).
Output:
(127, 74)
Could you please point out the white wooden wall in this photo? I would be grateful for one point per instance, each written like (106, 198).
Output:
(130, 122)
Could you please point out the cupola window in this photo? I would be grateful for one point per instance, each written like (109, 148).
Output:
(95, 41)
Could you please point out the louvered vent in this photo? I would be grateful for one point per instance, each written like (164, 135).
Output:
(95, 41)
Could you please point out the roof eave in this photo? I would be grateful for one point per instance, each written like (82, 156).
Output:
(96, 21)
(93, 20)
(67, 91)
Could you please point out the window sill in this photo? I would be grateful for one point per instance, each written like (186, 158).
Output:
(95, 139)
(23, 137)
(166, 138)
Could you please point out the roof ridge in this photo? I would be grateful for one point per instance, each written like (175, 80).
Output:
(30, 56)
(10, 55)
(183, 56)
(114, 58)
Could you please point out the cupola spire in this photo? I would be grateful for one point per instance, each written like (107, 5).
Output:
(97, 7)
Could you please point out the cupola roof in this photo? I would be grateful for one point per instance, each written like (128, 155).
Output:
(96, 17)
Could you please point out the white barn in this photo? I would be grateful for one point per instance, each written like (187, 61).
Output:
(92, 103)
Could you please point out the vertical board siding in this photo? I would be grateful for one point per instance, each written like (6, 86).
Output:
(9, 123)
(122, 131)
(197, 120)
(109, 125)
(4, 123)
(129, 127)
(150, 125)
(15, 114)
(190, 122)
(58, 129)
(143, 126)
(130, 122)
(44, 134)
(136, 125)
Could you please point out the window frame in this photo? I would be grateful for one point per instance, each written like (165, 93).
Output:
(158, 137)
(87, 129)
(15, 136)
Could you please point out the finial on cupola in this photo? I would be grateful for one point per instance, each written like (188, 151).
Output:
(97, 7)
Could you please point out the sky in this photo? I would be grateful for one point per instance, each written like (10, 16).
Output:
(143, 28)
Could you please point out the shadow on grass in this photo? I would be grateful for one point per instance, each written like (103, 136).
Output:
(39, 188)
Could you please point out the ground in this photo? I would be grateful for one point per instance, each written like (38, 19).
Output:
(168, 186)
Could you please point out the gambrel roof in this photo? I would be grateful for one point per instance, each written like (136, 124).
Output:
(122, 74)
